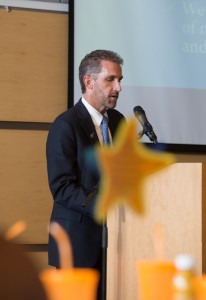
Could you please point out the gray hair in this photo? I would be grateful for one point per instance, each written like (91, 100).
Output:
(91, 63)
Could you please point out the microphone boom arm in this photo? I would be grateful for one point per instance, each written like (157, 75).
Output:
(140, 135)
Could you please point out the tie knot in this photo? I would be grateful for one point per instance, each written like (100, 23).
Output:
(105, 132)
(105, 120)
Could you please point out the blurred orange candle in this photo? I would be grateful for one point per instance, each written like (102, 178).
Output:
(74, 284)
(200, 287)
(154, 279)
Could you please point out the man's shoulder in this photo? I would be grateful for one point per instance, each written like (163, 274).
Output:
(114, 113)
(70, 113)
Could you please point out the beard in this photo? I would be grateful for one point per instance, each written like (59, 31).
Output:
(112, 101)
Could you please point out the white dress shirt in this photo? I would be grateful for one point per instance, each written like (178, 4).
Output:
(97, 119)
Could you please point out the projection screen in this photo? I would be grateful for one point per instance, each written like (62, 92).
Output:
(163, 44)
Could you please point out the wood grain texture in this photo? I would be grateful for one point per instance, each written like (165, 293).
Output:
(39, 259)
(25, 194)
(34, 65)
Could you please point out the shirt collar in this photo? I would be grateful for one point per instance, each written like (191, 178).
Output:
(95, 114)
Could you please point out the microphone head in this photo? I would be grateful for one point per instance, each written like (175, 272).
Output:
(147, 127)
(138, 109)
(140, 114)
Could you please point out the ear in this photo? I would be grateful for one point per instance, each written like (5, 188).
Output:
(88, 82)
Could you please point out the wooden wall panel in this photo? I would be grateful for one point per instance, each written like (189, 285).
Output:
(39, 259)
(34, 65)
(24, 192)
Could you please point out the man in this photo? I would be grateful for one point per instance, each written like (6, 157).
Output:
(72, 181)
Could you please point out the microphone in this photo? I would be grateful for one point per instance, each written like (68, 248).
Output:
(147, 127)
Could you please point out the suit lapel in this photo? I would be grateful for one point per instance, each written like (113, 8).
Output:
(89, 129)
(86, 122)
(112, 125)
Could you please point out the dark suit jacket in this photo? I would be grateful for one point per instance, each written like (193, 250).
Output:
(72, 180)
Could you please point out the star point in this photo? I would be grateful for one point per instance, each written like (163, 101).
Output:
(124, 169)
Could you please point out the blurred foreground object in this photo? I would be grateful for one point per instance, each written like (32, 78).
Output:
(184, 288)
(200, 287)
(154, 279)
(64, 245)
(15, 230)
(18, 278)
(68, 282)
(74, 284)
(124, 169)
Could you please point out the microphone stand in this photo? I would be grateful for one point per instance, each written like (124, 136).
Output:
(140, 135)
(104, 259)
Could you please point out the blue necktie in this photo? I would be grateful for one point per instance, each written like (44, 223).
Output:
(105, 132)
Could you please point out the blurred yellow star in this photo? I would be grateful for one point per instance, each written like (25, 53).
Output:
(124, 168)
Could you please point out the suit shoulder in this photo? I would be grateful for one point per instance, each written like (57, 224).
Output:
(66, 116)
(73, 113)
(114, 113)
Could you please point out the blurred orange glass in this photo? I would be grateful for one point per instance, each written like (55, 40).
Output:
(200, 287)
(74, 283)
(155, 279)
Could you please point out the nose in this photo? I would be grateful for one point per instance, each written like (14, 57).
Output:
(117, 86)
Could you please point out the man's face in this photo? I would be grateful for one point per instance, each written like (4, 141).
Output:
(106, 86)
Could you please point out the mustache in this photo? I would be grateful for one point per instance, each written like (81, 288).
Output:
(114, 95)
